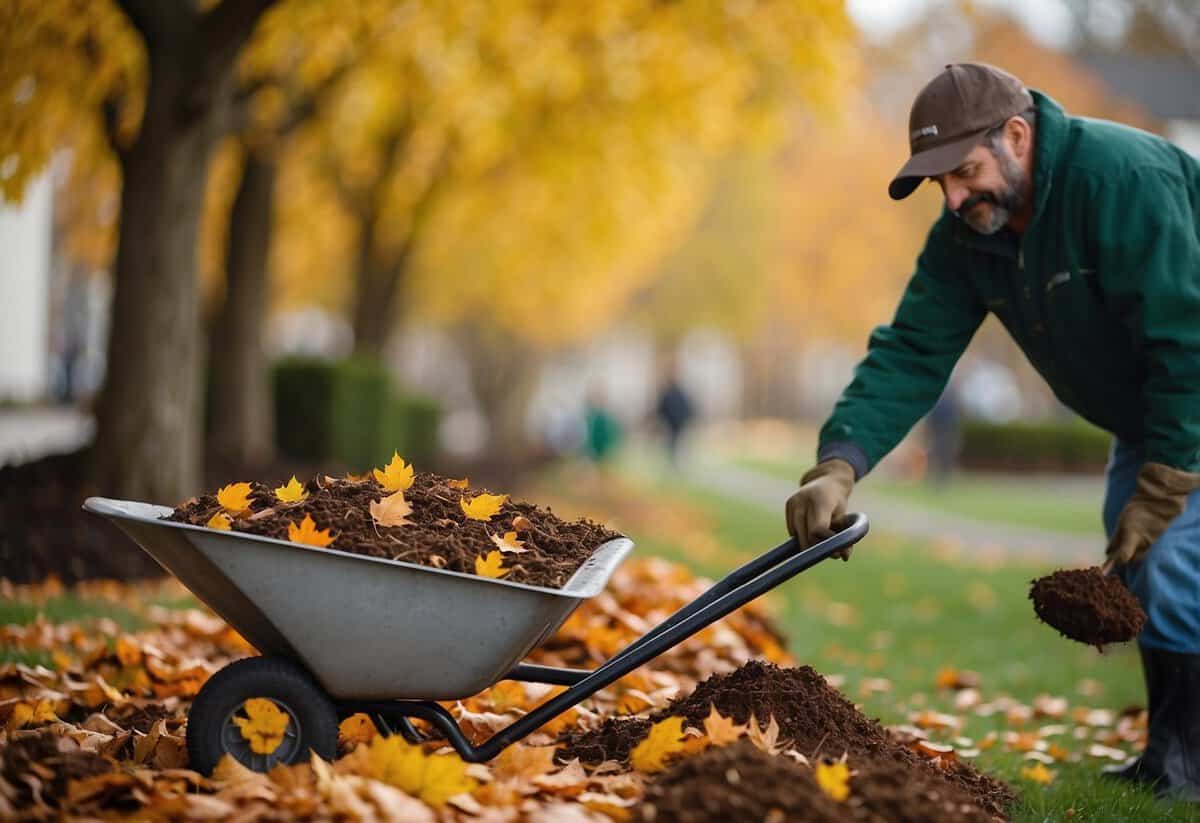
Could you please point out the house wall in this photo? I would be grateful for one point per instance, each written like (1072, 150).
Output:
(25, 243)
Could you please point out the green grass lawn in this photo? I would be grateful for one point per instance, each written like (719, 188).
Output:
(983, 497)
(900, 612)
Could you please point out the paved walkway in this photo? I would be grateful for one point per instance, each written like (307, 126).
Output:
(30, 432)
(899, 517)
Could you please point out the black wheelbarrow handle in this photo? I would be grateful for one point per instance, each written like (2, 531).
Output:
(733, 591)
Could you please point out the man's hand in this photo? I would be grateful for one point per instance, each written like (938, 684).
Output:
(814, 510)
(1160, 497)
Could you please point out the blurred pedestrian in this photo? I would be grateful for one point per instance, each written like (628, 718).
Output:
(675, 412)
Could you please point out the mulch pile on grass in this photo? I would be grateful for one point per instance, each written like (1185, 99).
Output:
(741, 782)
(1087, 606)
(439, 533)
(814, 717)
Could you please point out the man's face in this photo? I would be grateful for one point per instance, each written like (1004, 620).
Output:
(986, 188)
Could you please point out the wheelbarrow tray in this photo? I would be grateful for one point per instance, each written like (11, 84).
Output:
(367, 628)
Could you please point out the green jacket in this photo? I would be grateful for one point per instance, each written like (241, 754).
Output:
(1102, 293)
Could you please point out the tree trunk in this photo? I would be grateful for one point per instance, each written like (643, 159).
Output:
(504, 374)
(148, 417)
(375, 296)
(241, 423)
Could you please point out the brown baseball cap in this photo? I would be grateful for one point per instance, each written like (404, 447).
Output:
(951, 115)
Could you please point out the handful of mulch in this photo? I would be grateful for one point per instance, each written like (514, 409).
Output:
(1087, 605)
(417, 517)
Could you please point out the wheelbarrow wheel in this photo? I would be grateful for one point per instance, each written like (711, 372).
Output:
(262, 711)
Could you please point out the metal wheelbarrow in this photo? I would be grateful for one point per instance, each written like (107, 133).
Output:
(341, 633)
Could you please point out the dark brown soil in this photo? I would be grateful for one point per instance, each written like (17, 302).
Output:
(1087, 606)
(740, 782)
(813, 716)
(439, 535)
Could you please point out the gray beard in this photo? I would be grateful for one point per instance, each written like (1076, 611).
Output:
(1005, 203)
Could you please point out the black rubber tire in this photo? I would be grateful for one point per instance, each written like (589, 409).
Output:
(273, 677)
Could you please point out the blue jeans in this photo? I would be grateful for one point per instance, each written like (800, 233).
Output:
(1166, 581)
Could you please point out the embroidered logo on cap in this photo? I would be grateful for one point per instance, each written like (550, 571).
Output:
(923, 132)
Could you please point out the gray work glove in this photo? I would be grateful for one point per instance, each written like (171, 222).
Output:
(1161, 496)
(814, 512)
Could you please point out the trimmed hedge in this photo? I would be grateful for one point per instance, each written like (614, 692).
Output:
(349, 411)
(1072, 445)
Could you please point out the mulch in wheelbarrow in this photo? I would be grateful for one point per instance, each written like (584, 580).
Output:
(1088, 606)
(520, 541)
(816, 721)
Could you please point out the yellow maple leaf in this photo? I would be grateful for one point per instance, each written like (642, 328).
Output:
(234, 498)
(720, 729)
(32, 713)
(664, 740)
(1039, 774)
(434, 778)
(834, 779)
(490, 566)
(263, 725)
(308, 533)
(219, 521)
(291, 492)
(392, 510)
(509, 543)
(396, 476)
(482, 506)
(458, 484)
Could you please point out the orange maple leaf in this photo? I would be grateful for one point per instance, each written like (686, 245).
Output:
(219, 521)
(308, 533)
(720, 729)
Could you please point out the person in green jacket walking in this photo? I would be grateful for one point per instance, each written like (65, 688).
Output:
(1083, 237)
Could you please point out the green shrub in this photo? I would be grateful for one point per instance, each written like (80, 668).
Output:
(1072, 445)
(303, 392)
(351, 412)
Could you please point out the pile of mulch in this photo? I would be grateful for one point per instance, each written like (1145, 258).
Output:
(741, 782)
(439, 535)
(816, 719)
(1088, 606)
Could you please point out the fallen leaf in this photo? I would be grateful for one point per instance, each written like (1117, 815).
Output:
(234, 498)
(458, 484)
(392, 510)
(767, 739)
(490, 566)
(721, 730)
(355, 729)
(308, 533)
(219, 521)
(1038, 774)
(519, 762)
(521, 523)
(263, 725)
(665, 739)
(482, 506)
(396, 476)
(434, 778)
(833, 777)
(949, 677)
(509, 543)
(291, 492)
